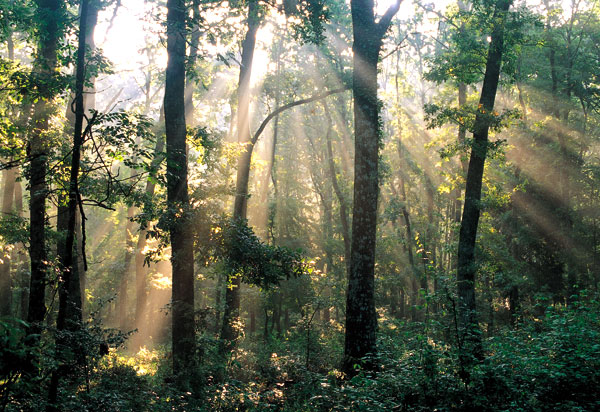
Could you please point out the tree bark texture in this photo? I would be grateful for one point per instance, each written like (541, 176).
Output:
(182, 252)
(51, 16)
(469, 332)
(361, 318)
(69, 308)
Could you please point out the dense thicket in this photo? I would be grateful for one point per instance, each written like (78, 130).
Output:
(299, 205)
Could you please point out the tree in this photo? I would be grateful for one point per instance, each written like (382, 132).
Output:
(232, 293)
(51, 28)
(182, 247)
(469, 332)
(361, 319)
(69, 310)
(311, 31)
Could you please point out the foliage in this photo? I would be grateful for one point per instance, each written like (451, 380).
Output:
(257, 263)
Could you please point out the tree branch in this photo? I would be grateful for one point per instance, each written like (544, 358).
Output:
(280, 109)
(384, 22)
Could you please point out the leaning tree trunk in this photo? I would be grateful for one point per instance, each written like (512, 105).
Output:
(361, 318)
(182, 252)
(469, 332)
(229, 332)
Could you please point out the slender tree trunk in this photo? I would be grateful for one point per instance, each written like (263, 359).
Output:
(344, 219)
(252, 321)
(182, 252)
(193, 55)
(141, 292)
(469, 331)
(10, 176)
(361, 318)
(89, 101)
(69, 309)
(269, 175)
(20, 252)
(229, 332)
(124, 323)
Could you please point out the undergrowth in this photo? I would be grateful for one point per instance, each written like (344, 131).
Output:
(551, 363)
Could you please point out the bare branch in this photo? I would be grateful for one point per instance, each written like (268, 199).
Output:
(384, 22)
(280, 109)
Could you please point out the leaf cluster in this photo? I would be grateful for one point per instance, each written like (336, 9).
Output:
(257, 263)
(438, 116)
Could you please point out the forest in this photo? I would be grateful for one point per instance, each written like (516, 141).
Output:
(299, 205)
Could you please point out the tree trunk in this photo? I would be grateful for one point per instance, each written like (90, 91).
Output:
(361, 318)
(339, 194)
(469, 331)
(69, 308)
(141, 292)
(193, 55)
(229, 331)
(23, 265)
(10, 176)
(124, 324)
(182, 252)
(50, 32)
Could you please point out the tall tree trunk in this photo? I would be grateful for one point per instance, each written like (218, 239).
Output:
(141, 292)
(50, 28)
(124, 323)
(229, 332)
(469, 332)
(339, 194)
(10, 176)
(69, 308)
(78, 273)
(23, 265)
(193, 55)
(361, 318)
(182, 252)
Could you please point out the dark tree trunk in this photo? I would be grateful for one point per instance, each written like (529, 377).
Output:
(469, 332)
(361, 318)
(229, 332)
(462, 132)
(252, 321)
(266, 327)
(69, 308)
(182, 252)
(50, 32)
